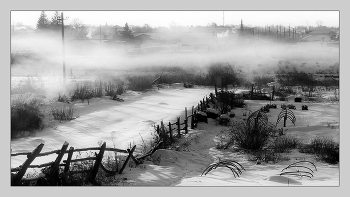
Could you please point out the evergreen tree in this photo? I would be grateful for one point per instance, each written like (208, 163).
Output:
(127, 33)
(43, 23)
(55, 23)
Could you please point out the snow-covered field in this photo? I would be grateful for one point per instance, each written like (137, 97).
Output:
(184, 168)
(102, 118)
(134, 117)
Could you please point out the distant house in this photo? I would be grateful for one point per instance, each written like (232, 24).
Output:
(104, 32)
(321, 34)
(141, 38)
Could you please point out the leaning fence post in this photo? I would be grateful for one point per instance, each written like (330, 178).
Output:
(170, 133)
(69, 158)
(192, 118)
(158, 130)
(205, 107)
(178, 127)
(55, 166)
(127, 159)
(162, 129)
(97, 163)
(22, 171)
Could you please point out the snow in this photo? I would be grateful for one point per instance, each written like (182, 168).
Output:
(133, 117)
(127, 121)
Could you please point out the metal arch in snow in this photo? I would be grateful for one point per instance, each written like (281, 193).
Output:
(286, 114)
(297, 172)
(257, 118)
(234, 166)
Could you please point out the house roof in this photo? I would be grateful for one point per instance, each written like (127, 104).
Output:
(322, 31)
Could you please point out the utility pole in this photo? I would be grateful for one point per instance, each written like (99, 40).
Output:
(63, 51)
(223, 18)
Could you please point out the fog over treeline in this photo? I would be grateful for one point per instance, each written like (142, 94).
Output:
(254, 51)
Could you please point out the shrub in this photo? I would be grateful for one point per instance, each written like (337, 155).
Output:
(82, 92)
(224, 119)
(25, 116)
(253, 133)
(62, 112)
(224, 139)
(140, 82)
(284, 143)
(63, 98)
(115, 88)
(325, 149)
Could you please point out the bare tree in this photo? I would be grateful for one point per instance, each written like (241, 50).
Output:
(319, 23)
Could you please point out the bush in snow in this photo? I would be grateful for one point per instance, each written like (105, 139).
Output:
(253, 133)
(224, 119)
(213, 113)
(202, 117)
(231, 114)
(25, 116)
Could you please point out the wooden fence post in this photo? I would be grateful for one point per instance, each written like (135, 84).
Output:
(192, 118)
(186, 125)
(162, 129)
(127, 159)
(170, 133)
(66, 167)
(97, 164)
(178, 127)
(30, 159)
(205, 107)
(55, 166)
(158, 131)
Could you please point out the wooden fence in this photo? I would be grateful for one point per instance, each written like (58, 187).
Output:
(171, 129)
(53, 177)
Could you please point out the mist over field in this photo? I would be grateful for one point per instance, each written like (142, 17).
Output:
(43, 55)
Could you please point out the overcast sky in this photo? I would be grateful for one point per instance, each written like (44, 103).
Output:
(187, 18)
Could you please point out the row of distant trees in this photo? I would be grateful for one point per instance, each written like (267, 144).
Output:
(76, 27)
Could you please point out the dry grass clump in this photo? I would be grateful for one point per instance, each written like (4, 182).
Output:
(62, 112)
(325, 149)
(284, 143)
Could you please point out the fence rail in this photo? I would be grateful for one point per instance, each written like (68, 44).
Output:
(53, 174)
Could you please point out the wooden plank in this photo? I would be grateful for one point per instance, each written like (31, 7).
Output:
(69, 159)
(82, 159)
(98, 148)
(97, 164)
(127, 159)
(55, 166)
(178, 127)
(170, 132)
(134, 159)
(162, 129)
(17, 179)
